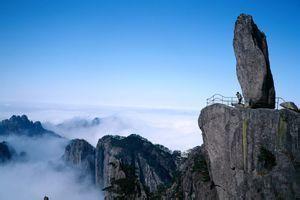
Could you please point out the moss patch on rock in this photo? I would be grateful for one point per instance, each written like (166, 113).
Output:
(266, 160)
(282, 129)
(200, 166)
(244, 140)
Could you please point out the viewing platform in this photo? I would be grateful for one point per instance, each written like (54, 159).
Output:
(230, 101)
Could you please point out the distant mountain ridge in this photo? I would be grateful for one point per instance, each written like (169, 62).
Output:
(22, 126)
(79, 123)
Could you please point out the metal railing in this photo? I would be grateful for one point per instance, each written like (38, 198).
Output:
(230, 101)
(278, 101)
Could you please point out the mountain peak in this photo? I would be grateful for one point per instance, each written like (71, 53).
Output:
(21, 125)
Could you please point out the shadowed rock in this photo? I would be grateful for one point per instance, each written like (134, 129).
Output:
(253, 66)
(192, 180)
(6, 152)
(22, 126)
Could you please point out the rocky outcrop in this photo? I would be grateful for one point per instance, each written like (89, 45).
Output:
(6, 152)
(132, 167)
(253, 153)
(80, 154)
(196, 181)
(192, 180)
(253, 66)
(290, 105)
(22, 126)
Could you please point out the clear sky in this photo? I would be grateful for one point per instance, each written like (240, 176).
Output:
(166, 53)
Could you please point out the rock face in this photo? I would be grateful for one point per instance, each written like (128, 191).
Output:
(22, 126)
(253, 153)
(290, 105)
(193, 180)
(81, 154)
(196, 181)
(132, 167)
(253, 66)
(6, 152)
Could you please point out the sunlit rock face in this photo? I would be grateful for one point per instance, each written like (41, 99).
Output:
(81, 154)
(253, 65)
(253, 153)
(132, 167)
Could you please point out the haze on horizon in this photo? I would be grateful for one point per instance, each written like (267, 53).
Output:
(169, 53)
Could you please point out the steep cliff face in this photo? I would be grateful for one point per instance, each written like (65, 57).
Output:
(253, 153)
(132, 167)
(193, 181)
(81, 154)
(196, 181)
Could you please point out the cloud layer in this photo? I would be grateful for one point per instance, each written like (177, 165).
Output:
(175, 129)
(42, 173)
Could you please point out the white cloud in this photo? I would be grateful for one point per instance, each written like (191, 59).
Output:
(43, 173)
(175, 129)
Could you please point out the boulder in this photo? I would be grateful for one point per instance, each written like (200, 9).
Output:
(253, 66)
(253, 153)
(289, 105)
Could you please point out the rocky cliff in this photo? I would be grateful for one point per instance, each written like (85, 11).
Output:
(192, 180)
(132, 167)
(124, 167)
(80, 154)
(253, 153)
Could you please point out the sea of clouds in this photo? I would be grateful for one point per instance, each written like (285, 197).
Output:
(42, 172)
(175, 129)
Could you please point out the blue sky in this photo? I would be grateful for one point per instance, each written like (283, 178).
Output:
(165, 53)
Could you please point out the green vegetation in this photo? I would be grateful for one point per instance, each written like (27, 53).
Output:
(173, 190)
(135, 144)
(266, 159)
(123, 188)
(161, 190)
(200, 166)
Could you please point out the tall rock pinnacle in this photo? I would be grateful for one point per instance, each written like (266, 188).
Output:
(253, 66)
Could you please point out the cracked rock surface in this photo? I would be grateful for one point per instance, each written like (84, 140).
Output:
(253, 153)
